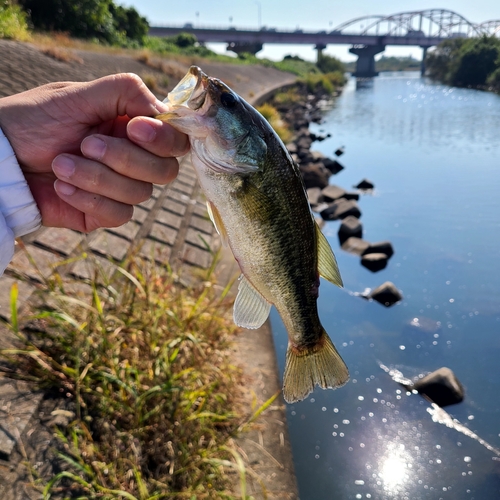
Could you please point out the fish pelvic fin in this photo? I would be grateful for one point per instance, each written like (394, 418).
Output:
(320, 365)
(327, 263)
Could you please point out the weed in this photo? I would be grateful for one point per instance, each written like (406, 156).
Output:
(146, 368)
(62, 54)
(271, 114)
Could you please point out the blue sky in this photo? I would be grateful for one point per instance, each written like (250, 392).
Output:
(314, 15)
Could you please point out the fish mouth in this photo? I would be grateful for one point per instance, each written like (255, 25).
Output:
(191, 91)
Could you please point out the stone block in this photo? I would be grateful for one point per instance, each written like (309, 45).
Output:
(341, 209)
(198, 239)
(351, 226)
(159, 252)
(333, 166)
(93, 268)
(384, 247)
(18, 403)
(374, 261)
(195, 256)
(314, 196)
(40, 266)
(355, 245)
(169, 218)
(314, 175)
(110, 245)
(387, 294)
(441, 387)
(163, 233)
(60, 240)
(24, 290)
(365, 184)
(174, 206)
(140, 214)
(127, 231)
(202, 224)
(332, 192)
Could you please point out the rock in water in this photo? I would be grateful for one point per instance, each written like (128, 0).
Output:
(387, 294)
(374, 261)
(365, 184)
(441, 386)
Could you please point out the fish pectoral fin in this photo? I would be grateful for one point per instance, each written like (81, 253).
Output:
(327, 263)
(251, 309)
(216, 219)
(320, 364)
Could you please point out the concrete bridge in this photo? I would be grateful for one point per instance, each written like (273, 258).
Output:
(368, 35)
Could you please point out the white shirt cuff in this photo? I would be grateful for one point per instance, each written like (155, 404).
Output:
(17, 204)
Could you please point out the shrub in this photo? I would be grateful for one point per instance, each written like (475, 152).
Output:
(13, 23)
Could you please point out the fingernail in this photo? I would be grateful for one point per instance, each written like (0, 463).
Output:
(63, 166)
(141, 131)
(64, 188)
(93, 147)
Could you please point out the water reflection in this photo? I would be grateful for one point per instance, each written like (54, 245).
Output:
(433, 154)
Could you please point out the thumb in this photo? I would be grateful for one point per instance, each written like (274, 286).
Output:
(118, 95)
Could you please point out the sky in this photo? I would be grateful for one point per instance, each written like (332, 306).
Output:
(308, 15)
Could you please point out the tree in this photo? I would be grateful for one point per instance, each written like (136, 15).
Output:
(330, 64)
(100, 19)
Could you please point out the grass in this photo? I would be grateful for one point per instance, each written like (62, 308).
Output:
(271, 114)
(13, 23)
(153, 396)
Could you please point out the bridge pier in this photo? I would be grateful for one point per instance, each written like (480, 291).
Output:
(320, 47)
(422, 66)
(365, 65)
(240, 47)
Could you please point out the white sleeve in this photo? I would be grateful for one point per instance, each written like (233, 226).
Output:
(19, 214)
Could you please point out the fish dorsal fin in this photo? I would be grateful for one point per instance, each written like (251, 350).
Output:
(327, 264)
(251, 309)
(217, 221)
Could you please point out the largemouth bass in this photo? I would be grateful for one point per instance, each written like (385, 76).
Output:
(257, 202)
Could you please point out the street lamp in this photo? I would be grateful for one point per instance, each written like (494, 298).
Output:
(260, 12)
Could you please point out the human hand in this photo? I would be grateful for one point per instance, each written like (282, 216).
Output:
(89, 151)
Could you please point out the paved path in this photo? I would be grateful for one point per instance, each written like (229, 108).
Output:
(172, 226)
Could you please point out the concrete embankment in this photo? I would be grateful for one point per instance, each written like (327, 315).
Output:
(167, 225)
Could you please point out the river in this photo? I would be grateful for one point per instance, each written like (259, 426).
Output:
(433, 153)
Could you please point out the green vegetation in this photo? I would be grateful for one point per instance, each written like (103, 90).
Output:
(272, 115)
(151, 392)
(99, 19)
(327, 82)
(466, 62)
(13, 23)
(391, 64)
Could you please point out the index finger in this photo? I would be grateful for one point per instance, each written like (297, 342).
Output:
(157, 137)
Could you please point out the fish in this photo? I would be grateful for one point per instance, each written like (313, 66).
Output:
(257, 202)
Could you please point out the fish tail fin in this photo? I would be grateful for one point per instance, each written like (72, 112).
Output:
(320, 364)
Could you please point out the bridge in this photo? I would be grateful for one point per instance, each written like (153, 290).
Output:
(368, 35)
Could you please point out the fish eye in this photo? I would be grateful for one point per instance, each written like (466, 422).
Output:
(228, 100)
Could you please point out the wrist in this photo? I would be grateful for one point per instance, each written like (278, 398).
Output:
(17, 204)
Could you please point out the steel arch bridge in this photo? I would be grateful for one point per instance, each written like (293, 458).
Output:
(490, 28)
(431, 23)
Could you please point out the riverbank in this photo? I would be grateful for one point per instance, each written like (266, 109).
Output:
(169, 223)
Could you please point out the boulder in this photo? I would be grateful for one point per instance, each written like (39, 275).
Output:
(292, 147)
(304, 142)
(355, 245)
(441, 386)
(340, 151)
(340, 209)
(332, 165)
(374, 261)
(317, 156)
(387, 294)
(351, 226)
(314, 196)
(365, 184)
(314, 175)
(384, 247)
(349, 195)
(332, 192)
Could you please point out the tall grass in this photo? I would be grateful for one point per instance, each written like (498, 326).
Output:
(13, 23)
(272, 115)
(151, 390)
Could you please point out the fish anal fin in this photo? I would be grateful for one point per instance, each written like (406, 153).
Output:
(318, 365)
(217, 221)
(251, 309)
(327, 263)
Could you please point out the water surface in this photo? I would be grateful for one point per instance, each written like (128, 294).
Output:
(433, 153)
